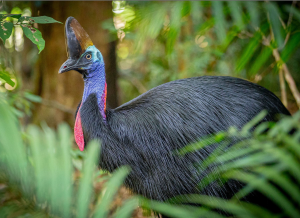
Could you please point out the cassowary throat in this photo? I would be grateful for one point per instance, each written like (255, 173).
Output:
(94, 82)
(84, 57)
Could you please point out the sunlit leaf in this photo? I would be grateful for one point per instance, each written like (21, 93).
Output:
(43, 20)
(35, 36)
(6, 77)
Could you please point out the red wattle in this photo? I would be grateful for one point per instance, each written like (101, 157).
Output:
(78, 133)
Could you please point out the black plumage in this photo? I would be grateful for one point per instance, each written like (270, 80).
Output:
(145, 132)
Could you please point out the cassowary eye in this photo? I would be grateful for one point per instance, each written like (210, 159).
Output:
(88, 56)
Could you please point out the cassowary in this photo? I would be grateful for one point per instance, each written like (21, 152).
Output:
(145, 132)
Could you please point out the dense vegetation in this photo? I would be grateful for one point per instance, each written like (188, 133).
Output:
(42, 175)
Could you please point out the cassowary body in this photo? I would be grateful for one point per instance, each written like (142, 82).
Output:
(146, 132)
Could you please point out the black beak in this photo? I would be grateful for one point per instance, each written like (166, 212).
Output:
(69, 64)
(77, 41)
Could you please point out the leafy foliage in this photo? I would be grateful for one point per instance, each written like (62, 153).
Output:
(26, 23)
(40, 166)
(7, 24)
(37, 164)
(175, 40)
(41, 176)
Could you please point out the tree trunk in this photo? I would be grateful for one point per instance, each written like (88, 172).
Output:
(62, 93)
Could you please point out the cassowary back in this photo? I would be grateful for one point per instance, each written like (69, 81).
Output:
(146, 132)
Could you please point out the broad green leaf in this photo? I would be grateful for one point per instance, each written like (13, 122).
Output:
(276, 25)
(5, 30)
(35, 36)
(43, 20)
(5, 76)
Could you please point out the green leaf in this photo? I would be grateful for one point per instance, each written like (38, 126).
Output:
(127, 209)
(85, 187)
(32, 97)
(260, 60)
(178, 211)
(275, 23)
(249, 51)
(5, 76)
(43, 20)
(291, 46)
(268, 190)
(252, 8)
(293, 10)
(258, 118)
(35, 36)
(235, 8)
(17, 16)
(6, 30)
(112, 188)
(220, 24)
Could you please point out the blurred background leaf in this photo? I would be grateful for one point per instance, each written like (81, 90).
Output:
(144, 44)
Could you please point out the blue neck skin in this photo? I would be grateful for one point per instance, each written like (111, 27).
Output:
(95, 82)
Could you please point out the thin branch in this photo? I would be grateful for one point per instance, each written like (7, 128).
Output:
(288, 25)
(135, 82)
(259, 77)
(288, 77)
(59, 106)
(282, 88)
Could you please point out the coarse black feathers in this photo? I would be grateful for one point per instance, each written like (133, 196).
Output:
(145, 132)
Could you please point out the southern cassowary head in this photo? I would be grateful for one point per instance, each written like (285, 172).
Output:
(83, 56)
